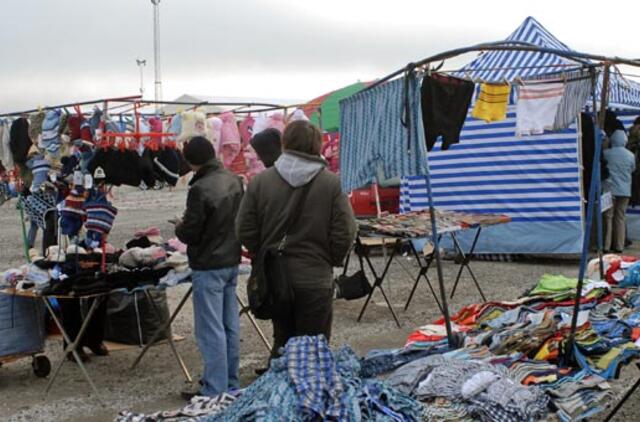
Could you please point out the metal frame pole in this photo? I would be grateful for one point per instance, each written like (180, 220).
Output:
(156, 51)
(593, 189)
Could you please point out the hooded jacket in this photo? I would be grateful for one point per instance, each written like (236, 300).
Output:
(621, 164)
(207, 227)
(325, 230)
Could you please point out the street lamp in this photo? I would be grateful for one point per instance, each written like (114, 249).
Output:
(141, 64)
(156, 50)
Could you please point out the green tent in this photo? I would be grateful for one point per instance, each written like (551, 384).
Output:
(324, 111)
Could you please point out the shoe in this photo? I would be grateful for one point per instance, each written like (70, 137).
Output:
(81, 354)
(618, 251)
(190, 392)
(99, 350)
(260, 371)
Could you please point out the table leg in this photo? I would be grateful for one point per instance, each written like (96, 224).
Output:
(466, 259)
(162, 329)
(624, 399)
(424, 269)
(378, 279)
(244, 309)
(169, 335)
(73, 345)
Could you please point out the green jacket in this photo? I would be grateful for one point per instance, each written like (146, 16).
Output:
(325, 230)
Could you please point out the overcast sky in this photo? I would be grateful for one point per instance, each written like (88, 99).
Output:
(55, 51)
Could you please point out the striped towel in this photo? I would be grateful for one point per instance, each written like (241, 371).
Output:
(576, 95)
(491, 105)
(537, 107)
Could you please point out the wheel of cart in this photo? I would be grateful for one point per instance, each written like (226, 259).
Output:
(40, 364)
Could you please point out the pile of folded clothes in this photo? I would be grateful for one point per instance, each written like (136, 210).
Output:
(527, 339)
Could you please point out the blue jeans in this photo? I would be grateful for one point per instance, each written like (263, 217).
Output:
(217, 324)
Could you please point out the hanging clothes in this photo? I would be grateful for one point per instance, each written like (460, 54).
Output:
(19, 142)
(5, 149)
(246, 129)
(537, 107)
(230, 144)
(214, 131)
(35, 125)
(445, 103)
(50, 139)
(277, 121)
(193, 123)
(491, 105)
(372, 134)
(576, 95)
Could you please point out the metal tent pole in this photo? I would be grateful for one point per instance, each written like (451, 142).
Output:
(156, 51)
(593, 189)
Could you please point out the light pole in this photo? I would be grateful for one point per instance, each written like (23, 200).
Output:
(156, 51)
(141, 64)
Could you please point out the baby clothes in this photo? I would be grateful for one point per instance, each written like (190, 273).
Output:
(214, 131)
(193, 123)
(50, 140)
(537, 107)
(230, 145)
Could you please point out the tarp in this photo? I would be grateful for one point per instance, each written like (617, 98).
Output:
(324, 111)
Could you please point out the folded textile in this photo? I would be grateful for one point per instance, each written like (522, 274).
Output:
(198, 406)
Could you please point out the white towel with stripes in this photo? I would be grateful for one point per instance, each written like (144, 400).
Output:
(537, 107)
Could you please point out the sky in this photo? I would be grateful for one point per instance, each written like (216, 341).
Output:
(60, 51)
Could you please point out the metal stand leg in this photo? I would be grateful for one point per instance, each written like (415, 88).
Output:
(169, 335)
(466, 258)
(164, 329)
(424, 269)
(72, 346)
(244, 309)
(624, 399)
(361, 249)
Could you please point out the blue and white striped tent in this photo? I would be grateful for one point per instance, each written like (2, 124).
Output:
(535, 179)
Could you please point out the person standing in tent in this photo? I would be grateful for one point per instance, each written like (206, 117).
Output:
(207, 228)
(315, 242)
(621, 164)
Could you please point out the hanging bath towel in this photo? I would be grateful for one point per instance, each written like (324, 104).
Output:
(491, 105)
(537, 107)
(576, 95)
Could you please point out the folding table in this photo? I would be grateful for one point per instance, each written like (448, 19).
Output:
(166, 328)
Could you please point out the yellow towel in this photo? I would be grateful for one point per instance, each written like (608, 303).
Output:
(491, 105)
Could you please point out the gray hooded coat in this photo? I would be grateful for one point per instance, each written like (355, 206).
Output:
(325, 230)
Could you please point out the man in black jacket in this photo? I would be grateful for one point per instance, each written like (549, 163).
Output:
(207, 228)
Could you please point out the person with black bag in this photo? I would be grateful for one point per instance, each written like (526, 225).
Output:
(298, 224)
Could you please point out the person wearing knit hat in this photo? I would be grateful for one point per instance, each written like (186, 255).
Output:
(207, 228)
(268, 145)
(198, 151)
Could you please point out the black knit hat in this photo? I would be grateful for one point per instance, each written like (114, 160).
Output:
(268, 145)
(198, 151)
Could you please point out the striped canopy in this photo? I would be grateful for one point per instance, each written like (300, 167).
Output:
(501, 66)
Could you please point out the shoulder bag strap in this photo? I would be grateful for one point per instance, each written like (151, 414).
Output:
(293, 217)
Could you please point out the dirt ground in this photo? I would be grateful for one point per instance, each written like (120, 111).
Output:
(157, 382)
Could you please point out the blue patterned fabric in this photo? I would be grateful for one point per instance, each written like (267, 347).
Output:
(372, 134)
(50, 128)
(310, 383)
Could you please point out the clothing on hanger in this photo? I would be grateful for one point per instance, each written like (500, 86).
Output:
(445, 104)
(491, 105)
(576, 95)
(537, 107)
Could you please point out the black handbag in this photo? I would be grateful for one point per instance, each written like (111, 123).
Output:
(269, 289)
(352, 287)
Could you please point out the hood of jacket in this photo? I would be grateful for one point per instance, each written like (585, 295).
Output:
(298, 168)
(618, 139)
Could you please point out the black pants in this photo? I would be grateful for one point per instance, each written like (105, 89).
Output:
(72, 320)
(312, 315)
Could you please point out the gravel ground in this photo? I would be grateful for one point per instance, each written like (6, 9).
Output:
(157, 382)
